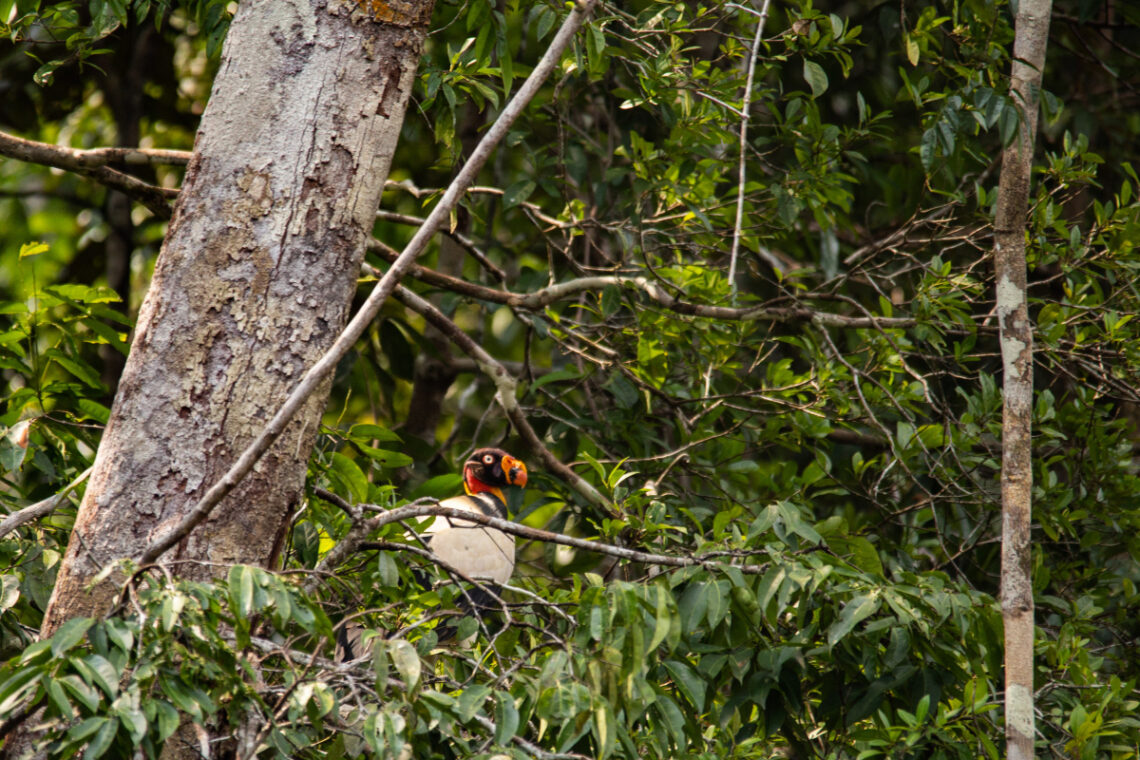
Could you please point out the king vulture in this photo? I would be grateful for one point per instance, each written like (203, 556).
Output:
(478, 552)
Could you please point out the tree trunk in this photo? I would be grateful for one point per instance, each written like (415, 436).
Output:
(1031, 37)
(252, 286)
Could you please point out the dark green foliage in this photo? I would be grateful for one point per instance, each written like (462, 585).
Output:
(830, 455)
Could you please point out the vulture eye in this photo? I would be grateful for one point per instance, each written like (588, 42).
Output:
(488, 459)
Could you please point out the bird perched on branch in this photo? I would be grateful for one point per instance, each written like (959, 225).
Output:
(481, 553)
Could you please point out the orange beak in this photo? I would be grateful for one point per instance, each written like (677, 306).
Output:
(515, 471)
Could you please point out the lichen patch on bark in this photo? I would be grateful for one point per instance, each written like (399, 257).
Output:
(398, 12)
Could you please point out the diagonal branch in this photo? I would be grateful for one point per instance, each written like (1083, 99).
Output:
(464, 242)
(356, 327)
(41, 508)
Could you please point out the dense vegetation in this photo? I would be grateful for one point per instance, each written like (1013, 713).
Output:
(805, 454)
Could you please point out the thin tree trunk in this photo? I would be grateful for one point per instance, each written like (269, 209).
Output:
(1031, 37)
(252, 286)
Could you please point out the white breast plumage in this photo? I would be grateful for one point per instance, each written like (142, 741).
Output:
(475, 550)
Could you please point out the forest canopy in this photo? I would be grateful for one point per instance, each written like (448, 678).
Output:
(726, 286)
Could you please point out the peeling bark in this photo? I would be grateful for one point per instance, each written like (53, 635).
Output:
(1031, 37)
(252, 286)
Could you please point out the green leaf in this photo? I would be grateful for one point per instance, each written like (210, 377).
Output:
(569, 373)
(687, 680)
(661, 617)
(471, 700)
(370, 432)
(855, 611)
(17, 687)
(322, 699)
(70, 634)
(27, 250)
(506, 718)
(241, 583)
(102, 741)
(130, 716)
(912, 51)
(673, 718)
(59, 699)
(507, 72)
(863, 553)
(86, 728)
(693, 607)
(86, 694)
(927, 150)
(407, 662)
(94, 410)
(605, 732)
(166, 718)
(182, 697)
(544, 22)
(385, 458)
(517, 193)
(108, 335)
(78, 368)
(815, 77)
(439, 487)
(349, 476)
(1008, 122)
(78, 293)
(97, 670)
(379, 662)
(718, 599)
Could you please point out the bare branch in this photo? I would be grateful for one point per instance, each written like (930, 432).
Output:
(413, 511)
(532, 208)
(41, 508)
(744, 114)
(465, 242)
(540, 299)
(93, 164)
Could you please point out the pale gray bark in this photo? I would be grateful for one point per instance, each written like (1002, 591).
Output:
(1031, 37)
(252, 286)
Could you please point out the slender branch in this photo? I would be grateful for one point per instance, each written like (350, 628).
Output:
(413, 511)
(532, 208)
(356, 327)
(540, 299)
(354, 539)
(93, 164)
(744, 114)
(465, 242)
(530, 747)
(438, 279)
(1031, 36)
(41, 508)
(63, 157)
(937, 215)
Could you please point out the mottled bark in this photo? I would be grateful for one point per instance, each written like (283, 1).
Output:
(1031, 37)
(253, 284)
